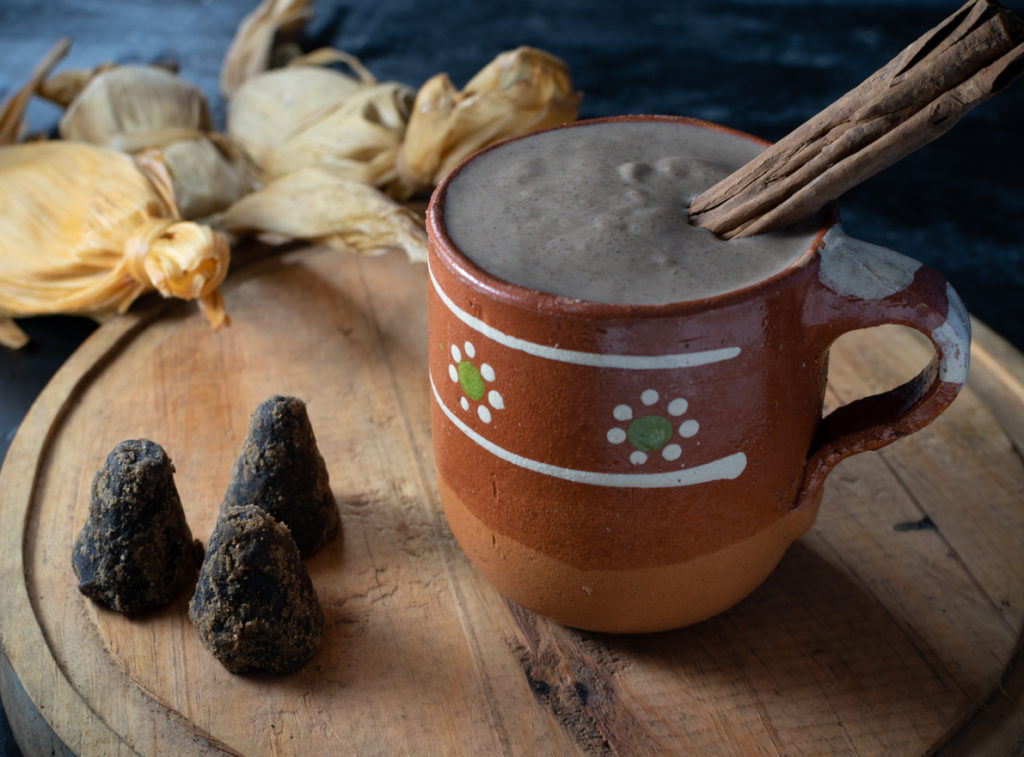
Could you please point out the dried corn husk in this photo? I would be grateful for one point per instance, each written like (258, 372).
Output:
(251, 50)
(305, 115)
(275, 105)
(520, 91)
(84, 231)
(62, 88)
(318, 205)
(12, 336)
(132, 108)
(302, 116)
(208, 173)
(12, 112)
(327, 141)
(325, 56)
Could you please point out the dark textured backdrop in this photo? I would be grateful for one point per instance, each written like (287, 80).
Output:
(757, 65)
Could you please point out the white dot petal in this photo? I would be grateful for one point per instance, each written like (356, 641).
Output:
(623, 412)
(453, 372)
(456, 353)
(638, 458)
(671, 451)
(616, 435)
(464, 402)
(487, 372)
(649, 397)
(484, 413)
(677, 406)
(470, 350)
(689, 428)
(496, 400)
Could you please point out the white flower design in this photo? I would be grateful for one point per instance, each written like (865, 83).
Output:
(652, 432)
(473, 381)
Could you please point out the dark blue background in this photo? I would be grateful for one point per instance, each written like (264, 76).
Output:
(757, 65)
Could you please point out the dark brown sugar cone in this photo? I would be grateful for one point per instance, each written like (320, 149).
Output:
(254, 607)
(280, 469)
(135, 551)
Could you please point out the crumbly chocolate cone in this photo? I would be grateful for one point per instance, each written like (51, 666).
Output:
(280, 470)
(135, 551)
(254, 607)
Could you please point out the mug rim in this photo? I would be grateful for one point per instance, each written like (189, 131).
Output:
(462, 266)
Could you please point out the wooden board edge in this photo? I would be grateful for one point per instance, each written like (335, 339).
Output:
(1001, 383)
(32, 733)
(997, 716)
(27, 660)
(994, 725)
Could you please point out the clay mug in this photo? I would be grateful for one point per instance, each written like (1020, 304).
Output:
(638, 468)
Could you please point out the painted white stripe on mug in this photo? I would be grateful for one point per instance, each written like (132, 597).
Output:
(595, 359)
(728, 467)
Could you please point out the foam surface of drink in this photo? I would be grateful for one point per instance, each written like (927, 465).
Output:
(599, 212)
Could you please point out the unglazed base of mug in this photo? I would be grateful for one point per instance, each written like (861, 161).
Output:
(638, 600)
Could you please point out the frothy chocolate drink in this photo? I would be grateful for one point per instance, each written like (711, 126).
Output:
(599, 212)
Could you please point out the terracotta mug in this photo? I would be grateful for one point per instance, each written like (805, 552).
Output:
(638, 468)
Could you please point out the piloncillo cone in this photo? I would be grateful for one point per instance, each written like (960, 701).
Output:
(280, 469)
(255, 607)
(135, 551)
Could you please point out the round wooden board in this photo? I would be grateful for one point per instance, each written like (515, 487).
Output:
(891, 628)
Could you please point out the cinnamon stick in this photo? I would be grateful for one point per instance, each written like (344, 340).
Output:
(914, 99)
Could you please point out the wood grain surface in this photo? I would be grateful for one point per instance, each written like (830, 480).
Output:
(891, 628)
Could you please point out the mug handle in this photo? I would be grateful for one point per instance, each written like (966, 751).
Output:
(858, 285)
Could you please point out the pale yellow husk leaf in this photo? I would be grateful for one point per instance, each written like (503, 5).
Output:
(136, 108)
(207, 173)
(359, 139)
(276, 105)
(12, 112)
(305, 115)
(131, 108)
(62, 88)
(10, 335)
(250, 50)
(85, 232)
(325, 56)
(318, 205)
(520, 91)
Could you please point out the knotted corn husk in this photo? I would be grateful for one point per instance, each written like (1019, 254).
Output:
(12, 112)
(62, 88)
(131, 108)
(135, 108)
(208, 173)
(327, 142)
(318, 205)
(251, 50)
(85, 231)
(520, 91)
(274, 106)
(306, 115)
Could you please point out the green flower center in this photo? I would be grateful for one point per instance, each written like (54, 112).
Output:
(649, 433)
(471, 381)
